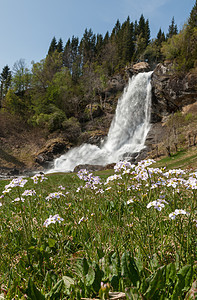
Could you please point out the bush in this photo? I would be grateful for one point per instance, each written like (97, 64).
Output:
(55, 120)
(72, 128)
(52, 119)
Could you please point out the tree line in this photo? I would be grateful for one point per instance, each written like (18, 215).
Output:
(56, 91)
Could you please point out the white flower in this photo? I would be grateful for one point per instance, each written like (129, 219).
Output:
(54, 195)
(57, 218)
(53, 220)
(29, 193)
(177, 212)
(172, 215)
(156, 204)
(191, 183)
(123, 165)
(113, 177)
(7, 190)
(39, 178)
(61, 187)
(18, 199)
(181, 212)
(130, 201)
(20, 182)
(82, 220)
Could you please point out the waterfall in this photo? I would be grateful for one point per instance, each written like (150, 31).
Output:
(127, 133)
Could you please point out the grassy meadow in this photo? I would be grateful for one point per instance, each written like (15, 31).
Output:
(78, 236)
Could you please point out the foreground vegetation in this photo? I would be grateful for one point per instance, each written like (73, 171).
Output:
(71, 237)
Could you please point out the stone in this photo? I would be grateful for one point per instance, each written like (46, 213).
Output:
(137, 68)
(93, 168)
(51, 150)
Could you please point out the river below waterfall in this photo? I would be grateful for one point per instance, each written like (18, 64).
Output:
(127, 133)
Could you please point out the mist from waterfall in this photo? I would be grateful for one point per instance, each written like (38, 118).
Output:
(127, 133)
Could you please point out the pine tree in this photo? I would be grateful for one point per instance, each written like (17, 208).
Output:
(142, 26)
(5, 78)
(67, 55)
(60, 46)
(192, 22)
(172, 30)
(116, 30)
(135, 29)
(160, 37)
(87, 46)
(53, 46)
(99, 47)
(75, 58)
(147, 33)
(127, 41)
(142, 37)
(106, 38)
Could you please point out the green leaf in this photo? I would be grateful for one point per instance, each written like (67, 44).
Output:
(184, 281)
(85, 266)
(129, 268)
(100, 253)
(156, 283)
(90, 277)
(115, 259)
(115, 282)
(32, 292)
(98, 278)
(56, 290)
(51, 242)
(170, 273)
(68, 281)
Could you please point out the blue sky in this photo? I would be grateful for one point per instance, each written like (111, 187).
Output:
(28, 26)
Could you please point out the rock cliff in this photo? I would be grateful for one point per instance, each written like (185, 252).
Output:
(171, 91)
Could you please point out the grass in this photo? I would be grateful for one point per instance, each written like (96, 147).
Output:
(182, 159)
(82, 236)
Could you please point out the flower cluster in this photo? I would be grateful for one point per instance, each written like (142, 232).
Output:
(177, 212)
(91, 180)
(124, 166)
(39, 178)
(56, 195)
(29, 193)
(113, 177)
(191, 183)
(52, 220)
(18, 199)
(157, 204)
(16, 182)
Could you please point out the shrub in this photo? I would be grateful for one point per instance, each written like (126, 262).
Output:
(72, 128)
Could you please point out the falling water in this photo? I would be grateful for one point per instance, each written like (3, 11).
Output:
(127, 132)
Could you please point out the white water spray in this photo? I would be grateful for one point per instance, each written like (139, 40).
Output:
(127, 132)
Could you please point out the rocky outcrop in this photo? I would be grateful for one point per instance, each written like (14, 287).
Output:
(171, 91)
(137, 68)
(51, 150)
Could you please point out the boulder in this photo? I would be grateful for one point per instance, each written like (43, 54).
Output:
(137, 68)
(171, 91)
(93, 168)
(51, 150)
